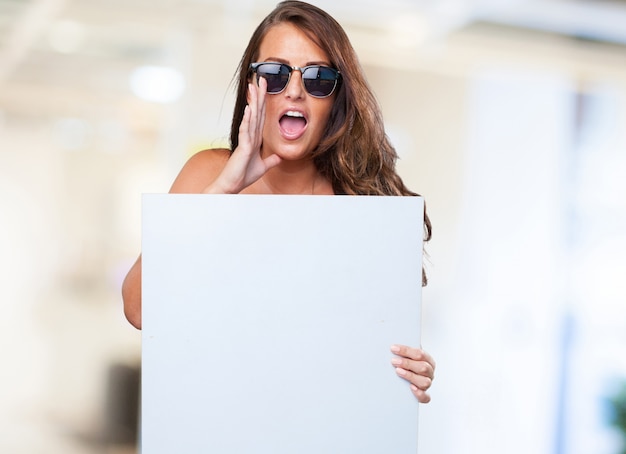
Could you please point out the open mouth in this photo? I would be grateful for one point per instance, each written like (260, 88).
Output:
(293, 124)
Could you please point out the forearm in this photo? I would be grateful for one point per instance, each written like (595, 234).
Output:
(131, 294)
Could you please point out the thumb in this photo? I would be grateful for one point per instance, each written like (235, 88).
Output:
(272, 161)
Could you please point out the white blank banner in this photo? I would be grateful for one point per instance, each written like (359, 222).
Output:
(267, 323)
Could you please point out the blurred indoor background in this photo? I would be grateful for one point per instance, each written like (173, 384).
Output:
(509, 117)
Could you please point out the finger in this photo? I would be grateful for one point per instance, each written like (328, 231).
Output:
(416, 354)
(252, 131)
(261, 103)
(420, 381)
(417, 367)
(245, 125)
(257, 118)
(421, 395)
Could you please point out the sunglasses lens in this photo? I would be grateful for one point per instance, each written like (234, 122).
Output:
(320, 81)
(275, 74)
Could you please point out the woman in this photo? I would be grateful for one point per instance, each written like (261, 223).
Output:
(305, 122)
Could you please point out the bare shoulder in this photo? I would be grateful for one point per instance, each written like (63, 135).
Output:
(200, 171)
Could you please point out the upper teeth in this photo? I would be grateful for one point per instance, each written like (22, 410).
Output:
(293, 113)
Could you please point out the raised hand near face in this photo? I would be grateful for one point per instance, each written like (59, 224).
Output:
(415, 366)
(246, 165)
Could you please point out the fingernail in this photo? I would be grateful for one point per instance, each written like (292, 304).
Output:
(413, 388)
(401, 372)
(395, 348)
(396, 361)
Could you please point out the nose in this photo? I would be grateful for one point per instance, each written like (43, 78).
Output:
(295, 86)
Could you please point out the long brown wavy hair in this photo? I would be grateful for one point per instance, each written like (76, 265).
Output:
(355, 153)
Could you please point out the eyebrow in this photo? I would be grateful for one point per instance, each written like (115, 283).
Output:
(286, 62)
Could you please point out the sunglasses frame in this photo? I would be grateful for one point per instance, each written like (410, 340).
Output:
(255, 66)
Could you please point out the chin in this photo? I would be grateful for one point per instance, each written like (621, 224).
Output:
(294, 156)
(290, 151)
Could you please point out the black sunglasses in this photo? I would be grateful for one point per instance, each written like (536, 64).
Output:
(319, 81)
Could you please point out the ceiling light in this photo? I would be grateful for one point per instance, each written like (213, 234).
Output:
(159, 84)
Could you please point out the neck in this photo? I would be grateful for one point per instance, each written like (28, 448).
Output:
(293, 178)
